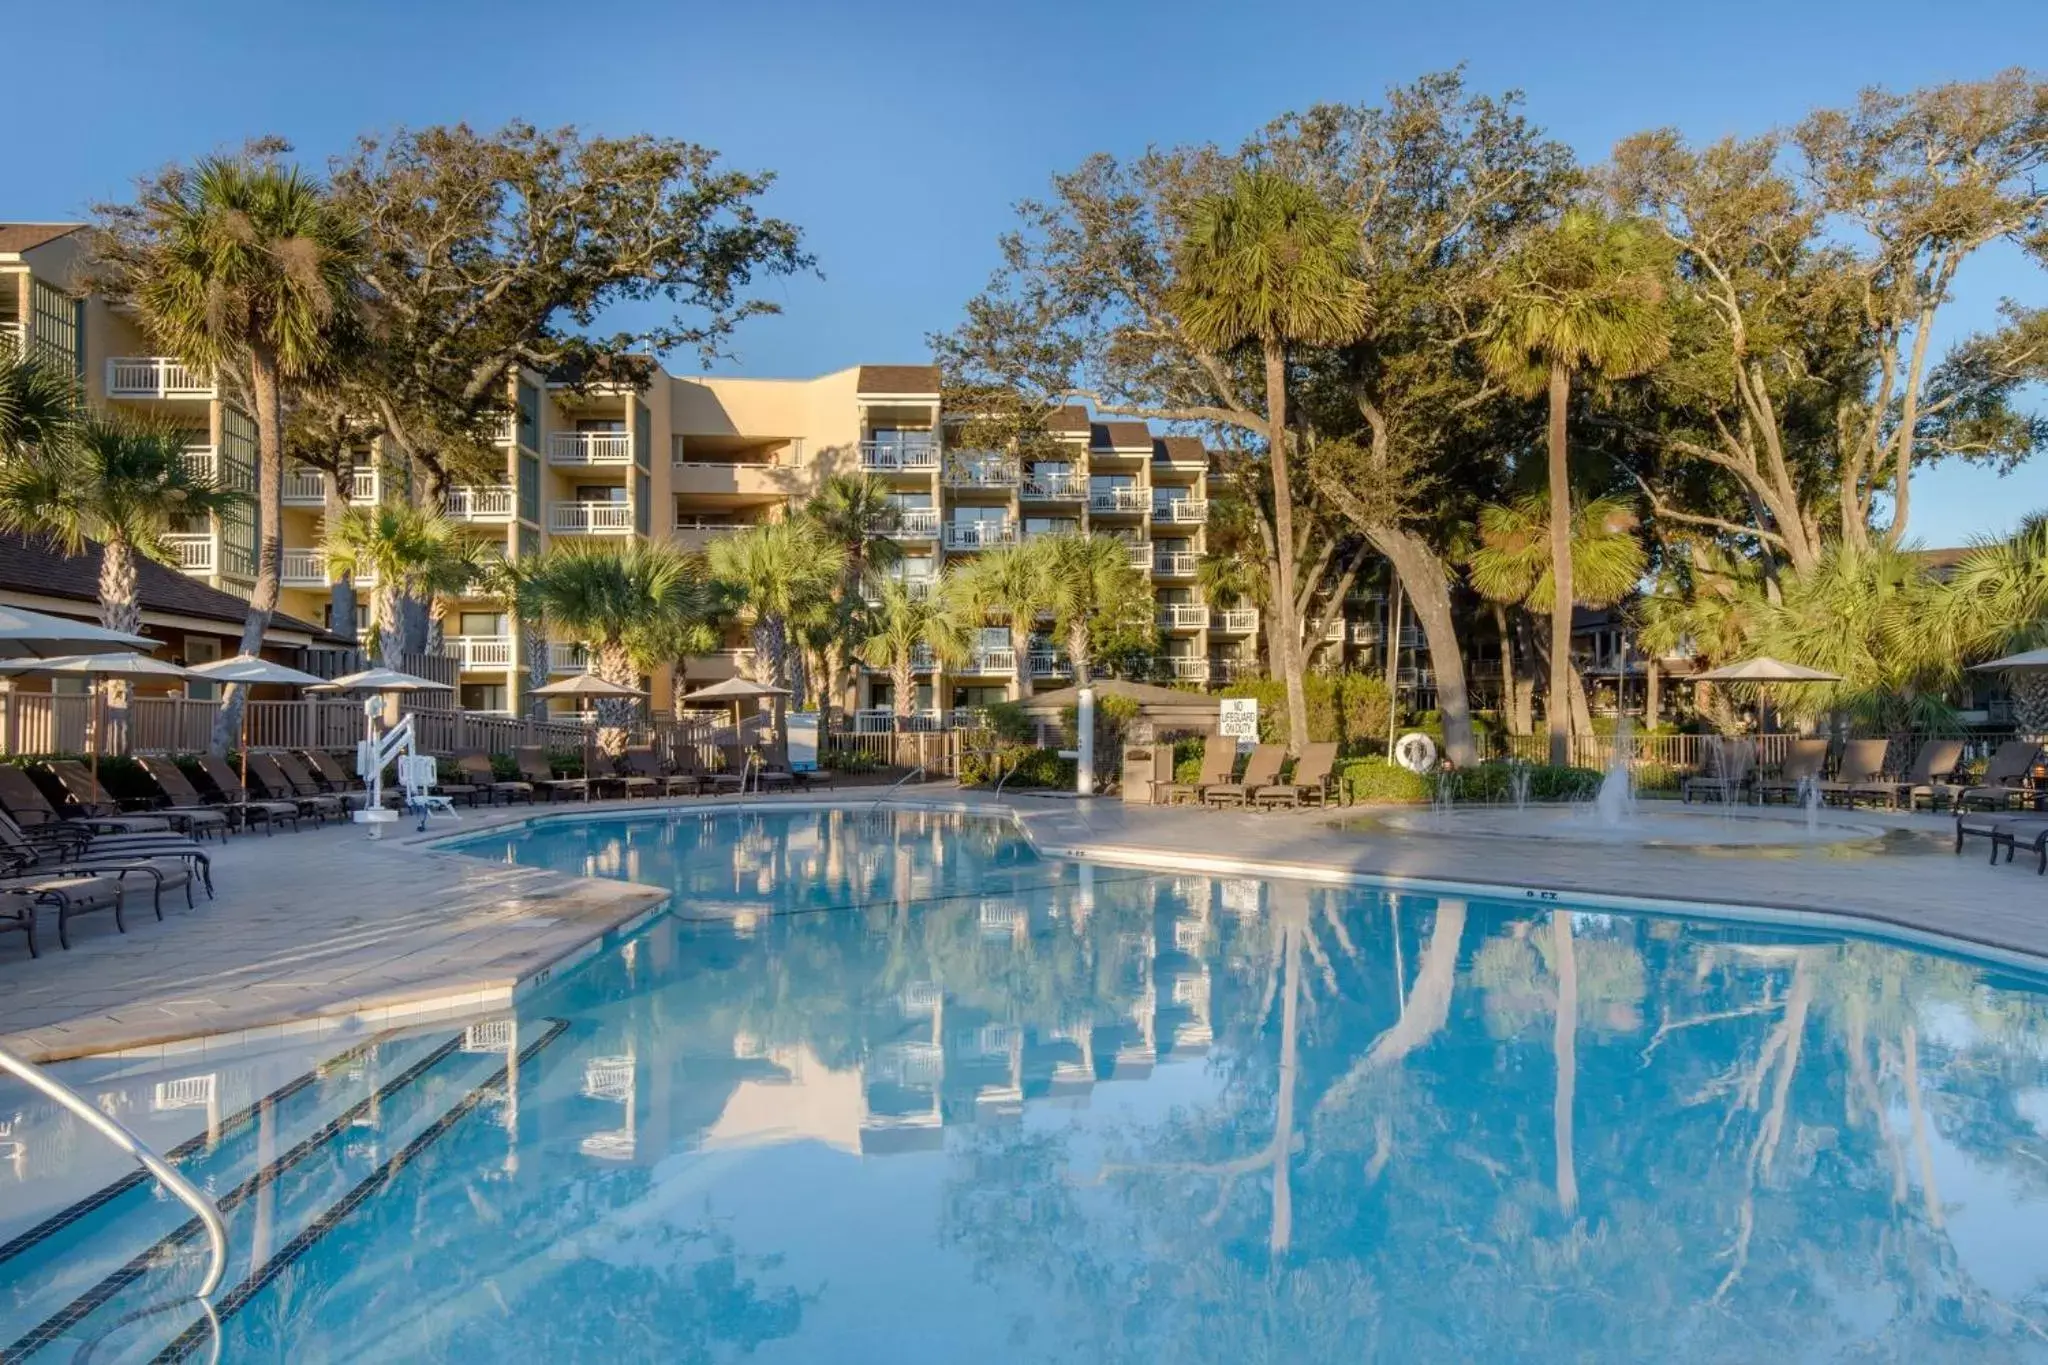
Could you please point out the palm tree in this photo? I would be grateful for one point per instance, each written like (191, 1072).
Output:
(637, 606)
(1997, 603)
(854, 511)
(411, 553)
(245, 270)
(122, 484)
(516, 583)
(902, 624)
(1009, 583)
(1270, 263)
(1092, 590)
(782, 575)
(1513, 562)
(1585, 297)
(38, 405)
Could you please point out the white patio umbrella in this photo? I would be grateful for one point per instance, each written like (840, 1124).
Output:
(587, 685)
(26, 634)
(94, 667)
(2032, 659)
(380, 680)
(249, 668)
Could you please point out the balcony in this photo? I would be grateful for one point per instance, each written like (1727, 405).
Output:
(980, 535)
(1186, 670)
(908, 455)
(1183, 616)
(479, 504)
(200, 462)
(1174, 563)
(1235, 620)
(154, 376)
(1117, 502)
(980, 473)
(1047, 663)
(582, 449)
(590, 518)
(304, 487)
(1225, 670)
(989, 661)
(917, 587)
(481, 652)
(1140, 555)
(13, 340)
(697, 533)
(304, 569)
(730, 478)
(1333, 633)
(1051, 488)
(568, 659)
(916, 523)
(1364, 632)
(1181, 511)
(193, 552)
(882, 720)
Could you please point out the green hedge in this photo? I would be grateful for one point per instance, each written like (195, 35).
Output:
(1350, 708)
(1375, 779)
(1043, 768)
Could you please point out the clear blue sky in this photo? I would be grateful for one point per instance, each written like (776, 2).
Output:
(903, 132)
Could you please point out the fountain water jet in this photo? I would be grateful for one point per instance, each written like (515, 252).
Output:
(1616, 802)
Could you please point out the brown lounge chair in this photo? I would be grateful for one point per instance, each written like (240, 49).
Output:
(1804, 763)
(272, 780)
(741, 766)
(87, 793)
(1739, 755)
(164, 866)
(478, 772)
(25, 801)
(1936, 760)
(236, 795)
(67, 845)
(1861, 766)
(334, 779)
(642, 764)
(2004, 777)
(535, 768)
(69, 896)
(1262, 769)
(1219, 761)
(1310, 784)
(2014, 832)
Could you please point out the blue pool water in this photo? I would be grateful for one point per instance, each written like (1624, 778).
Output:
(887, 1087)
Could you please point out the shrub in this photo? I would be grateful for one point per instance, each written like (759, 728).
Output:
(1042, 768)
(505, 767)
(1376, 780)
(1187, 759)
(1010, 723)
(566, 762)
(1349, 708)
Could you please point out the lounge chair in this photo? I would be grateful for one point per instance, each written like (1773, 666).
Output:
(86, 792)
(237, 796)
(24, 800)
(1936, 760)
(334, 779)
(1262, 769)
(69, 896)
(2014, 832)
(169, 863)
(305, 783)
(1739, 756)
(271, 782)
(477, 770)
(643, 764)
(1861, 766)
(1802, 765)
(1310, 784)
(70, 844)
(535, 768)
(1219, 761)
(2005, 777)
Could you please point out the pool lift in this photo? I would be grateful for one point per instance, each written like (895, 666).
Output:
(417, 773)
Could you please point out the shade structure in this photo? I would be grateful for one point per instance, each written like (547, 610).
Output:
(735, 689)
(382, 680)
(248, 668)
(1165, 707)
(586, 685)
(95, 666)
(2033, 658)
(1765, 669)
(28, 634)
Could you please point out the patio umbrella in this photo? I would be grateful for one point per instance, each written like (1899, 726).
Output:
(94, 667)
(2033, 658)
(1764, 669)
(381, 680)
(587, 685)
(735, 690)
(28, 634)
(248, 668)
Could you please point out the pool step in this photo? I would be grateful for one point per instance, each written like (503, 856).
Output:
(117, 1270)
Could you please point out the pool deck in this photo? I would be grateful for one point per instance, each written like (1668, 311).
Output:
(328, 932)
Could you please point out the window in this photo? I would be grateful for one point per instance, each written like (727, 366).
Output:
(1050, 526)
(600, 492)
(1103, 483)
(484, 697)
(529, 416)
(994, 516)
(202, 649)
(529, 488)
(911, 502)
(480, 623)
(601, 425)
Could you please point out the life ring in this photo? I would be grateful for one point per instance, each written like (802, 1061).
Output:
(1415, 751)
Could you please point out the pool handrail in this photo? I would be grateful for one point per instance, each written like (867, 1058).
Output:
(916, 770)
(184, 1190)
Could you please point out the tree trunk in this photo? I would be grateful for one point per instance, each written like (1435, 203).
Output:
(389, 610)
(1653, 697)
(1078, 649)
(1020, 650)
(269, 416)
(1564, 1052)
(1507, 667)
(1428, 591)
(120, 609)
(416, 621)
(1580, 710)
(905, 683)
(1287, 629)
(831, 676)
(539, 665)
(1560, 565)
(614, 714)
(341, 594)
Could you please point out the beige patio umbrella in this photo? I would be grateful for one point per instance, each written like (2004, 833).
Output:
(249, 669)
(95, 667)
(587, 685)
(2032, 659)
(26, 634)
(1764, 669)
(736, 690)
(381, 680)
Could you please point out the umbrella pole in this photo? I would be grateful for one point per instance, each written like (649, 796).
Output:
(92, 738)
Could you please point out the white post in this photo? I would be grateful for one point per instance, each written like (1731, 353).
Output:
(1084, 766)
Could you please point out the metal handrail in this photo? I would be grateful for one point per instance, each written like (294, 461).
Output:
(916, 771)
(187, 1193)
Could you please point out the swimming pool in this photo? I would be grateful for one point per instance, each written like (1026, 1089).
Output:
(886, 1086)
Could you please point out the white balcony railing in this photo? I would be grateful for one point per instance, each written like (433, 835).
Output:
(363, 485)
(1051, 488)
(981, 474)
(1183, 616)
(154, 376)
(887, 456)
(1364, 632)
(1181, 511)
(916, 523)
(1225, 670)
(1141, 555)
(200, 462)
(304, 569)
(990, 661)
(304, 487)
(1188, 670)
(1235, 620)
(1112, 501)
(582, 448)
(980, 535)
(1046, 663)
(192, 552)
(917, 587)
(479, 504)
(13, 340)
(1174, 563)
(590, 518)
(482, 651)
(568, 658)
